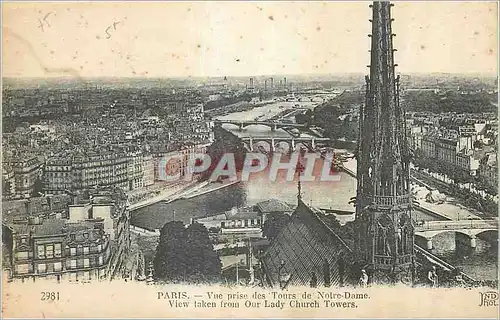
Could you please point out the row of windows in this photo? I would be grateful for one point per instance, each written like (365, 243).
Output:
(49, 251)
(50, 168)
(240, 223)
(54, 250)
(97, 165)
(57, 266)
(80, 175)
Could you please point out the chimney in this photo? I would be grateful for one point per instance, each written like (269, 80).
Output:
(74, 197)
(27, 206)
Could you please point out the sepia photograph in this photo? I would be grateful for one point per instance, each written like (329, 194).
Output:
(250, 159)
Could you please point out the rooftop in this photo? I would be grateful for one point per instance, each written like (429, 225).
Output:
(50, 227)
(306, 246)
(273, 205)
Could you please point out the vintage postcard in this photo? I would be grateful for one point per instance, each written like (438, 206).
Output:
(216, 159)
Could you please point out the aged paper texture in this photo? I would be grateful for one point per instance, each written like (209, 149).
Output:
(250, 159)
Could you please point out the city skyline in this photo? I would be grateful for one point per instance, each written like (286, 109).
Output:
(284, 38)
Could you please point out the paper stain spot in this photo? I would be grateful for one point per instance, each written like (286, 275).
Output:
(318, 28)
(422, 47)
(476, 33)
(199, 46)
(271, 18)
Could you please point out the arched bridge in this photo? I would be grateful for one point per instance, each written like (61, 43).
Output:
(291, 141)
(469, 228)
(273, 125)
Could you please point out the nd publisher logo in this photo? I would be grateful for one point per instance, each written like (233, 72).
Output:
(488, 299)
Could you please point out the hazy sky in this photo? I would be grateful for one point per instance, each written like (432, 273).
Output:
(162, 39)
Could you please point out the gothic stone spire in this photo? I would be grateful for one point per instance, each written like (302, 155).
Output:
(383, 201)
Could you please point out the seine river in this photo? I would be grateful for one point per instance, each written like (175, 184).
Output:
(480, 264)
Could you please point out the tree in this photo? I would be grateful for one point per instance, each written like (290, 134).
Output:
(204, 261)
(273, 224)
(300, 118)
(478, 144)
(170, 258)
(186, 254)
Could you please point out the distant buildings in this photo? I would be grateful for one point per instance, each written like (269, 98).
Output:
(77, 170)
(99, 137)
(140, 171)
(8, 181)
(458, 142)
(245, 222)
(176, 159)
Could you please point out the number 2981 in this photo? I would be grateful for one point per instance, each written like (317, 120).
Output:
(50, 296)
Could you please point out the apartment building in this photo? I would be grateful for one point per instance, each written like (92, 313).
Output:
(140, 170)
(78, 170)
(58, 250)
(8, 181)
(86, 243)
(26, 171)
